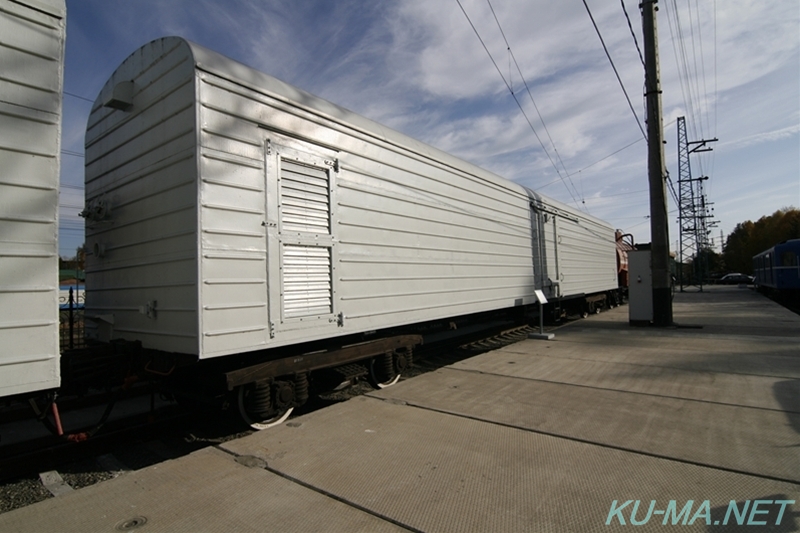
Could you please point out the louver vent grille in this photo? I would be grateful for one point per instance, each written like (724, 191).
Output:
(306, 281)
(305, 203)
(305, 198)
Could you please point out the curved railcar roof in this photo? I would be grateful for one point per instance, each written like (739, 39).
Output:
(57, 8)
(792, 244)
(241, 74)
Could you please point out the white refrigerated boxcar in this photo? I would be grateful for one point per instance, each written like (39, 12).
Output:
(229, 212)
(32, 34)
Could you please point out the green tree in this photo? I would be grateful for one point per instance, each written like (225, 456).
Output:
(706, 262)
(750, 238)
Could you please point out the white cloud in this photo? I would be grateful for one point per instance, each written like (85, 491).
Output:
(417, 66)
(765, 137)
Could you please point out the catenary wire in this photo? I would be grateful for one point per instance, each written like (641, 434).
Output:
(474, 29)
(527, 88)
(79, 97)
(630, 27)
(608, 55)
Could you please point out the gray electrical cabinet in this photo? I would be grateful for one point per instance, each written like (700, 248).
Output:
(640, 290)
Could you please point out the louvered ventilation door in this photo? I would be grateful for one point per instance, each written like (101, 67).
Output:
(305, 212)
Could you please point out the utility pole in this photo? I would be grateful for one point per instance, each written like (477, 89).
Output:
(656, 171)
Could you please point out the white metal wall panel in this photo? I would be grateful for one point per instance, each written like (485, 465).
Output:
(587, 258)
(31, 74)
(233, 248)
(574, 253)
(426, 244)
(141, 198)
(411, 239)
(310, 221)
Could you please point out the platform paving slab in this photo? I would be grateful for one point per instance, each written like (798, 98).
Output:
(730, 309)
(538, 436)
(730, 401)
(720, 310)
(438, 472)
(685, 374)
(730, 354)
(757, 441)
(207, 490)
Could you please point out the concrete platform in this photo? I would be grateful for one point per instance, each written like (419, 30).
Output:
(573, 434)
(205, 491)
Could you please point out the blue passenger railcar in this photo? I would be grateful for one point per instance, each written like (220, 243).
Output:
(778, 268)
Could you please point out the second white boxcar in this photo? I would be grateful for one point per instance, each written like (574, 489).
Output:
(229, 212)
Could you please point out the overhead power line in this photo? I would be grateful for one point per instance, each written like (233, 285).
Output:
(79, 97)
(633, 34)
(687, 44)
(527, 88)
(514, 96)
(608, 55)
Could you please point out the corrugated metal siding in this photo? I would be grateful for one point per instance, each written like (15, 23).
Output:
(31, 70)
(312, 222)
(141, 168)
(579, 251)
(410, 239)
(586, 257)
(428, 242)
(233, 236)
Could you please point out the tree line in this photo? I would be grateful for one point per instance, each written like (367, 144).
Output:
(750, 238)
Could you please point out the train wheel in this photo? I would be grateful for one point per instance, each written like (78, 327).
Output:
(256, 409)
(382, 371)
(379, 379)
(385, 370)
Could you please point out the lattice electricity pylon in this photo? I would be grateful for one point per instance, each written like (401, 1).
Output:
(687, 209)
(705, 216)
(693, 211)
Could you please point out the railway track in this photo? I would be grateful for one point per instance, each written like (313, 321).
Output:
(33, 469)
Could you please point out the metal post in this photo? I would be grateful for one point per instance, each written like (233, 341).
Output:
(540, 297)
(71, 318)
(659, 229)
(541, 319)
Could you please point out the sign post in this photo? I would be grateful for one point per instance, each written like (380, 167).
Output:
(540, 297)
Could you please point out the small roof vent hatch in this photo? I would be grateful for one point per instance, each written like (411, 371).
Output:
(121, 96)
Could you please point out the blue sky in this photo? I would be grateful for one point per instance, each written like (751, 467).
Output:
(418, 67)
